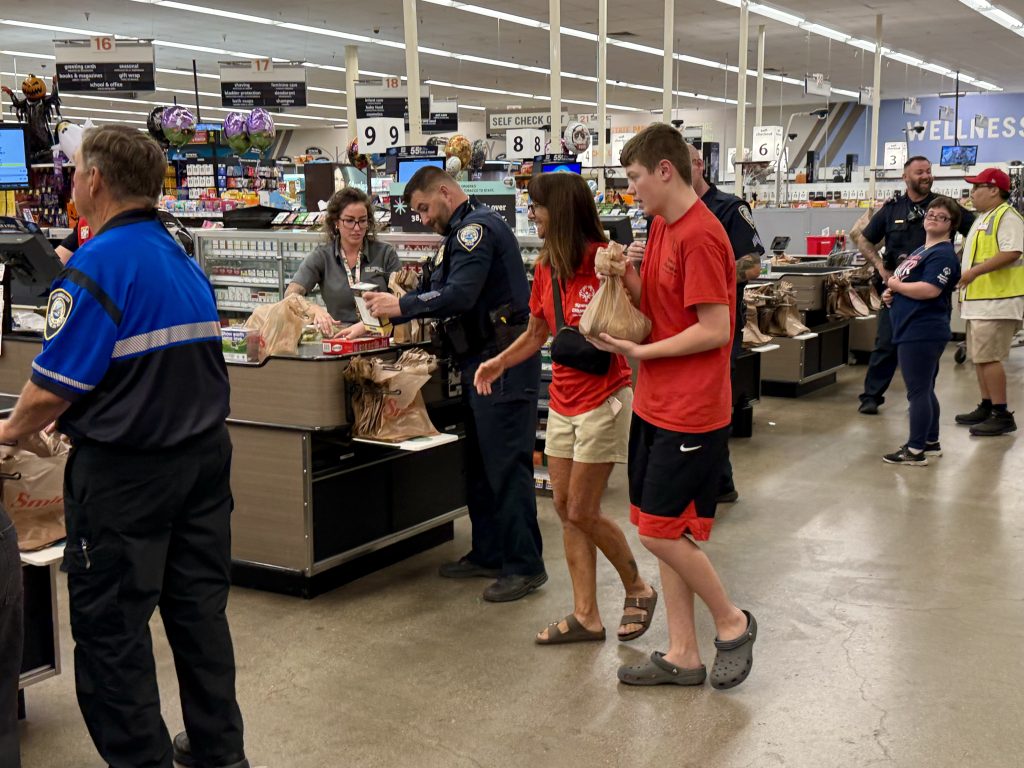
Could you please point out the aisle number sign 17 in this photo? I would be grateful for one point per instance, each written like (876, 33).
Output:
(524, 143)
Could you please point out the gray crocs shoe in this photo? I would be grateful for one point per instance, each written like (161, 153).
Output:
(734, 658)
(657, 671)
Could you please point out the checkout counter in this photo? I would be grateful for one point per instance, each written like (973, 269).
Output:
(313, 507)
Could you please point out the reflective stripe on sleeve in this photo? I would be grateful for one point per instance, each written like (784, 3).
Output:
(164, 337)
(61, 378)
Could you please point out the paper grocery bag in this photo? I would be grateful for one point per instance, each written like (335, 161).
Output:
(386, 397)
(611, 311)
(280, 325)
(33, 489)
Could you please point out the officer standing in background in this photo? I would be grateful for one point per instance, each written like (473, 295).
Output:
(132, 370)
(747, 248)
(477, 288)
(900, 224)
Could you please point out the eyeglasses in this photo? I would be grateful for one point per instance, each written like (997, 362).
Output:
(532, 207)
(936, 217)
(353, 223)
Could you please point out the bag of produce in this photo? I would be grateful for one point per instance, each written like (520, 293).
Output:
(611, 310)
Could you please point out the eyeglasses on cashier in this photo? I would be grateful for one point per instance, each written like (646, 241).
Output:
(353, 223)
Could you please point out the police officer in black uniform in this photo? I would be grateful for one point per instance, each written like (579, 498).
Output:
(738, 221)
(900, 224)
(477, 288)
(132, 371)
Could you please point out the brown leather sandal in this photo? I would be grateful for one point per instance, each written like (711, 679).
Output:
(646, 604)
(577, 633)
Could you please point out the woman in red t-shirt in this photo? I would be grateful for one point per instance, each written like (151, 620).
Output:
(588, 414)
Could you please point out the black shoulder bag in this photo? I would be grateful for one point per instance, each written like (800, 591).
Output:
(570, 348)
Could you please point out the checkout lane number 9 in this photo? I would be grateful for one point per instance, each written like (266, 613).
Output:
(370, 134)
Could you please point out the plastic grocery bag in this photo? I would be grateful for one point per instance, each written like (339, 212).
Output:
(280, 326)
(386, 397)
(33, 489)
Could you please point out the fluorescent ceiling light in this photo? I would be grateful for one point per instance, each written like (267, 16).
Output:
(388, 43)
(52, 28)
(902, 57)
(1003, 18)
(29, 55)
(471, 106)
(832, 34)
(186, 72)
(775, 14)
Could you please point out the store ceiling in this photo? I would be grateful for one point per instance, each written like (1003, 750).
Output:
(939, 31)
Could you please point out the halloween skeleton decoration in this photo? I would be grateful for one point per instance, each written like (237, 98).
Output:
(36, 108)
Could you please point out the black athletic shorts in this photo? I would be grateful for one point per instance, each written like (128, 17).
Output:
(673, 479)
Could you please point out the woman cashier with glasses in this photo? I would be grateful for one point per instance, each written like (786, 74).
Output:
(351, 255)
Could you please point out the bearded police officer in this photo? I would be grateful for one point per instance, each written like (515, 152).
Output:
(477, 288)
(132, 370)
(900, 223)
(747, 248)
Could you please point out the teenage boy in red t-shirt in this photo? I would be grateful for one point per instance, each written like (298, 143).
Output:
(682, 406)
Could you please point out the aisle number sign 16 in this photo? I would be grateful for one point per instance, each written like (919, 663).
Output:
(524, 143)
(378, 133)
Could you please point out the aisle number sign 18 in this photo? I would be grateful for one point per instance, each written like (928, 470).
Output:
(895, 155)
(376, 134)
(767, 144)
(524, 143)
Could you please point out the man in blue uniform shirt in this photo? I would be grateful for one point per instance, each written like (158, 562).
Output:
(476, 286)
(132, 370)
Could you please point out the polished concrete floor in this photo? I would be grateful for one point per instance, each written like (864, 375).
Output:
(890, 602)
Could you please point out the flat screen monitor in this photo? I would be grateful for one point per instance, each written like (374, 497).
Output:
(618, 229)
(407, 166)
(13, 157)
(576, 168)
(33, 265)
(965, 154)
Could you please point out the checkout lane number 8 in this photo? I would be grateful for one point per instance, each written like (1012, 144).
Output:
(370, 134)
(517, 144)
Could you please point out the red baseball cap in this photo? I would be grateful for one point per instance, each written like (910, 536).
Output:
(991, 176)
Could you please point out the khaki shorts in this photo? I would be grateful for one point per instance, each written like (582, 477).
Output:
(600, 436)
(989, 341)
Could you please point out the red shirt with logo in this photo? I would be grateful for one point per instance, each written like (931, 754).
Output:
(688, 262)
(573, 392)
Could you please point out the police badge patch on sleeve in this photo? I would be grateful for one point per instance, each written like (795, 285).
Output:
(57, 311)
(470, 236)
(747, 216)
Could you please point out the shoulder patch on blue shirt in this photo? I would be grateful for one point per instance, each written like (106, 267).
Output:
(57, 310)
(470, 236)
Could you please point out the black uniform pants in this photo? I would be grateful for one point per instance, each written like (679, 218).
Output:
(148, 530)
(501, 431)
(883, 363)
(11, 640)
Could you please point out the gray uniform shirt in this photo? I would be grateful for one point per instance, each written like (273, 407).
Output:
(326, 267)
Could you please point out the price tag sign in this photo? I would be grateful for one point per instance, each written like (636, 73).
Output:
(895, 155)
(767, 143)
(524, 144)
(376, 134)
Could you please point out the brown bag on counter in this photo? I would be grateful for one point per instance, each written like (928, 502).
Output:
(843, 299)
(400, 283)
(752, 336)
(280, 325)
(33, 489)
(611, 311)
(386, 397)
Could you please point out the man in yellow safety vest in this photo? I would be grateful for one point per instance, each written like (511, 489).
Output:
(992, 297)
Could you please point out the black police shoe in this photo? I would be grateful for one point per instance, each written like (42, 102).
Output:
(868, 407)
(464, 568)
(183, 756)
(509, 588)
